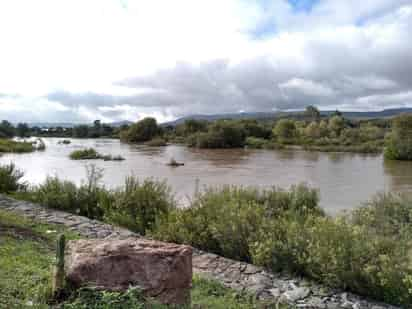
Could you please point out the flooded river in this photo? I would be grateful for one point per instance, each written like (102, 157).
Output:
(344, 180)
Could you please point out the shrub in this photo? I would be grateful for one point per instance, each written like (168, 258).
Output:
(285, 130)
(7, 145)
(138, 205)
(255, 142)
(367, 252)
(226, 220)
(10, 178)
(399, 142)
(85, 154)
(65, 195)
(142, 131)
(156, 142)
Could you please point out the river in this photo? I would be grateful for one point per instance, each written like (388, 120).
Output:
(344, 180)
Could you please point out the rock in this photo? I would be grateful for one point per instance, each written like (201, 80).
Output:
(161, 270)
(295, 295)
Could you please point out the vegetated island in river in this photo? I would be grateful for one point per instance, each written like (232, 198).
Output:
(92, 154)
(308, 130)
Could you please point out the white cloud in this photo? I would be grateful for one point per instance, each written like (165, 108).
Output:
(306, 87)
(183, 56)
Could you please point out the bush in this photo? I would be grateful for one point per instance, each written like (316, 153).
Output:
(399, 142)
(7, 145)
(64, 195)
(367, 252)
(225, 221)
(85, 154)
(255, 142)
(138, 205)
(142, 131)
(10, 178)
(157, 142)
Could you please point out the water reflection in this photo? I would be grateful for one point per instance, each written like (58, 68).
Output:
(399, 175)
(344, 180)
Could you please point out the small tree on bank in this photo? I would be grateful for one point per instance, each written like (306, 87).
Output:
(399, 143)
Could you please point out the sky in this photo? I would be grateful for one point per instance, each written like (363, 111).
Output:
(81, 60)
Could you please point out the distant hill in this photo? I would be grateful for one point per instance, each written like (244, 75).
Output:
(387, 113)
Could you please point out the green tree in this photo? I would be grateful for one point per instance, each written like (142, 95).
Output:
(6, 129)
(312, 130)
(23, 130)
(142, 131)
(285, 129)
(336, 125)
(399, 143)
(312, 112)
(193, 126)
(81, 131)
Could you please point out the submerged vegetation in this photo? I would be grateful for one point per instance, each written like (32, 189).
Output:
(308, 130)
(366, 251)
(8, 145)
(92, 154)
(399, 142)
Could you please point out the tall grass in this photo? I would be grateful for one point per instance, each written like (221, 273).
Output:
(8, 145)
(10, 178)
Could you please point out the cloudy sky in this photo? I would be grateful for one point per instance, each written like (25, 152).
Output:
(80, 60)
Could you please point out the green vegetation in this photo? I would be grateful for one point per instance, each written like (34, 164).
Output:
(26, 256)
(27, 252)
(367, 251)
(7, 145)
(308, 130)
(157, 142)
(399, 142)
(92, 154)
(10, 179)
(142, 131)
(138, 205)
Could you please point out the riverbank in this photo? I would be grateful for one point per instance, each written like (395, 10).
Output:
(26, 256)
(237, 275)
(345, 180)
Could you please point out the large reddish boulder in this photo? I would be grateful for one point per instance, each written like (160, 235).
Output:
(161, 270)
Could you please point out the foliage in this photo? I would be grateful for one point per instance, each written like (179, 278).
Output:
(285, 130)
(85, 154)
(137, 205)
(256, 142)
(10, 178)
(23, 130)
(399, 143)
(6, 129)
(225, 220)
(157, 142)
(25, 257)
(142, 131)
(220, 134)
(64, 195)
(92, 154)
(312, 112)
(7, 145)
(26, 253)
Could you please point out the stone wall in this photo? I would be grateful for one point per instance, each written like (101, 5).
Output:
(240, 276)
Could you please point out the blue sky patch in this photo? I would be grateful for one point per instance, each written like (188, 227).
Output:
(303, 5)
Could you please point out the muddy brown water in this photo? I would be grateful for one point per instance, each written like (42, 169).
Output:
(344, 180)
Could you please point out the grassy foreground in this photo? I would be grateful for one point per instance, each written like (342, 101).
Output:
(367, 251)
(26, 256)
